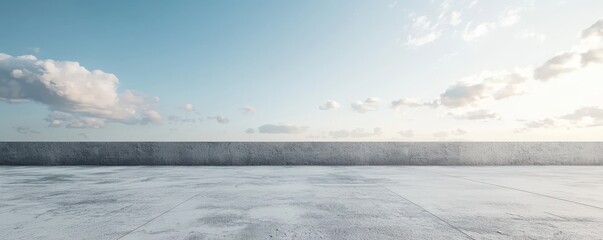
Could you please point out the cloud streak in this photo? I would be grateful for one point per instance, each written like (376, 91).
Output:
(356, 133)
(220, 119)
(26, 130)
(586, 117)
(582, 117)
(248, 110)
(281, 129)
(499, 85)
(481, 114)
(589, 50)
(472, 33)
(445, 134)
(368, 105)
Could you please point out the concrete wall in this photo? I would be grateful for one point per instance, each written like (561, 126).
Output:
(301, 153)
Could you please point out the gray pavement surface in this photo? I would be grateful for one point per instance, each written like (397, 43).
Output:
(302, 202)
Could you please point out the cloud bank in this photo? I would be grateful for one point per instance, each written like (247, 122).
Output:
(586, 117)
(589, 50)
(75, 96)
(499, 85)
(581, 118)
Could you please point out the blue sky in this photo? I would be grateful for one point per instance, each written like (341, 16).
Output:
(301, 70)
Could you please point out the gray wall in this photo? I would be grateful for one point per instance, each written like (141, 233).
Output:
(301, 153)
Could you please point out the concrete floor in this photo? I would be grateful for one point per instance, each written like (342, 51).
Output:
(275, 202)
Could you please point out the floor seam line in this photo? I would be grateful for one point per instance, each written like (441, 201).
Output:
(422, 208)
(516, 189)
(163, 213)
(530, 192)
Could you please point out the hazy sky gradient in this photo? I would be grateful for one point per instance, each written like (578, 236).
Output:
(301, 70)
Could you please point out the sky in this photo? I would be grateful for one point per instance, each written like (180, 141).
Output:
(313, 70)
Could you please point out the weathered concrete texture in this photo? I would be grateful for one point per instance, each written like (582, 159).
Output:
(301, 202)
(301, 153)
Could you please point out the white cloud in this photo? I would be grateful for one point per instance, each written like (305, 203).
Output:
(421, 22)
(250, 131)
(87, 122)
(471, 90)
(248, 110)
(423, 39)
(282, 129)
(486, 85)
(589, 50)
(220, 119)
(531, 35)
(445, 134)
(500, 85)
(586, 117)
(406, 133)
(508, 91)
(471, 34)
(69, 88)
(356, 133)
(595, 30)
(455, 18)
(463, 94)
(406, 102)
(153, 116)
(509, 18)
(592, 56)
(562, 63)
(369, 104)
(424, 29)
(504, 84)
(476, 115)
(329, 105)
(64, 119)
(17, 73)
(189, 107)
(582, 117)
(543, 123)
